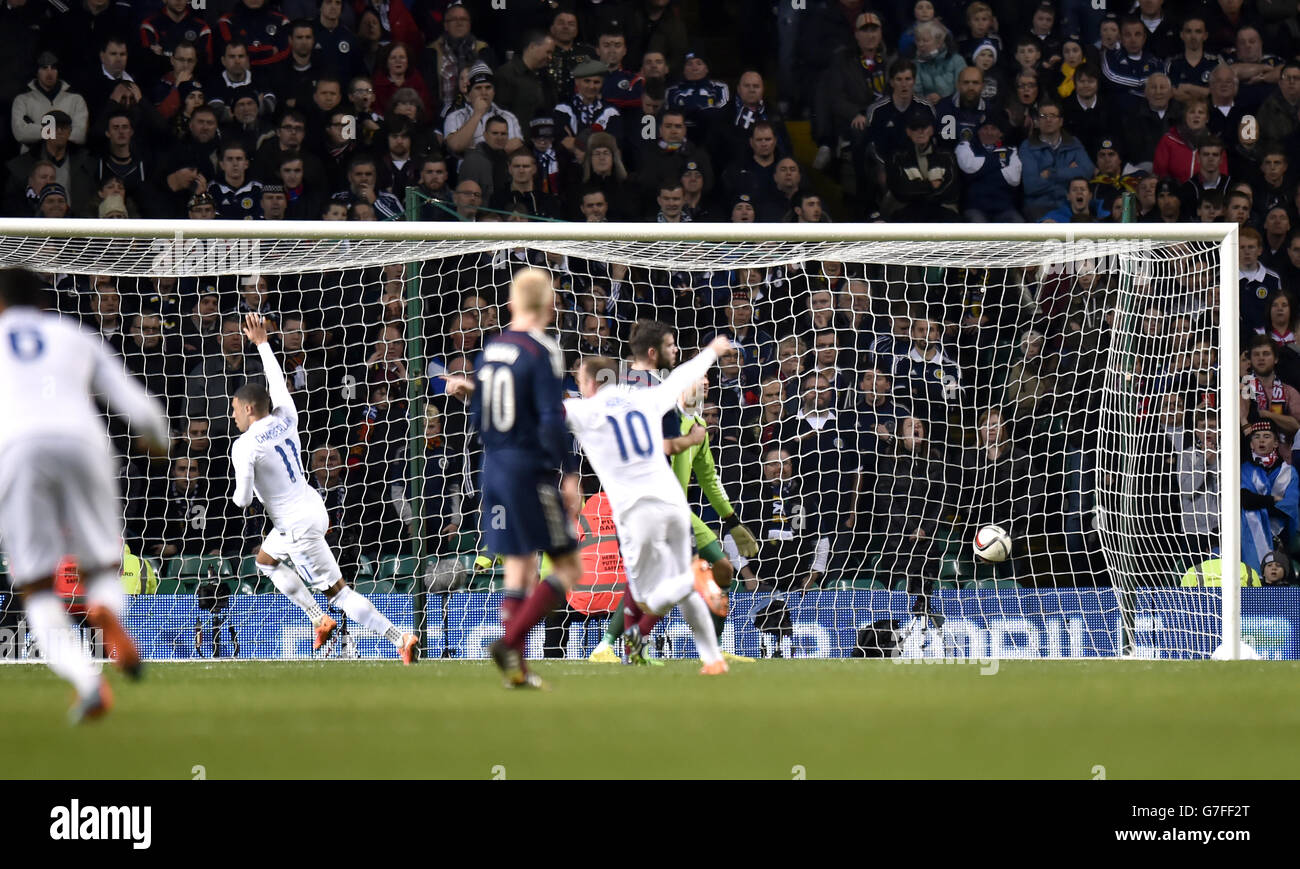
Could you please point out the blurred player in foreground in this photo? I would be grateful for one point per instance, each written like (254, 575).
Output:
(518, 412)
(267, 463)
(613, 423)
(58, 488)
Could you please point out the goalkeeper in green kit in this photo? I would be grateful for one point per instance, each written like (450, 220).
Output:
(697, 459)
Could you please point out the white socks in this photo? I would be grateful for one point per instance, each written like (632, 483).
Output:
(360, 609)
(284, 578)
(663, 597)
(698, 616)
(60, 645)
(105, 589)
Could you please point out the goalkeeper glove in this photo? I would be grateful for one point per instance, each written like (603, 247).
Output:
(1255, 501)
(746, 545)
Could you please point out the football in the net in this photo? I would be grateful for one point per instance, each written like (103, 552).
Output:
(992, 543)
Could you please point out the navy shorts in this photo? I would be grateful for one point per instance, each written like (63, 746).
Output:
(523, 513)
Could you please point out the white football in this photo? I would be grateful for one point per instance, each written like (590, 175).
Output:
(992, 543)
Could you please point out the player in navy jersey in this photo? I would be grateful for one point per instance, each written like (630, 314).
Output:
(516, 406)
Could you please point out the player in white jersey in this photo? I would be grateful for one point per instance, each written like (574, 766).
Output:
(267, 462)
(58, 488)
(619, 430)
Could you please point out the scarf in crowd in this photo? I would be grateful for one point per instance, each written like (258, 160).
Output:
(587, 113)
(1274, 396)
(548, 169)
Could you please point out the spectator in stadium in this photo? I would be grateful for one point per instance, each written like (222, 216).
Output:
(1282, 319)
(937, 68)
(437, 196)
(74, 170)
(910, 499)
(1021, 106)
(519, 83)
(363, 181)
(45, 93)
(394, 71)
(666, 157)
(1030, 387)
(179, 92)
(1207, 178)
(1189, 71)
(1236, 208)
(457, 49)
(921, 179)
(1128, 67)
(53, 202)
(1266, 397)
(1226, 112)
(1087, 113)
(1176, 152)
(700, 99)
(926, 375)
(466, 127)
(236, 77)
(992, 171)
(886, 129)
(1050, 160)
(782, 508)
(1274, 188)
(1079, 207)
(263, 30)
(1147, 120)
(879, 410)
(854, 81)
(209, 385)
(488, 163)
(1278, 113)
(363, 102)
(175, 515)
(1277, 569)
(1257, 282)
(346, 513)
(584, 111)
(174, 25)
(1198, 482)
(522, 189)
(755, 173)
(201, 329)
(1277, 229)
(236, 196)
(154, 360)
(1270, 492)
(1256, 71)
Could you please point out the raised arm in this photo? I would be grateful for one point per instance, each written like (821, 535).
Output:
(126, 397)
(667, 392)
(255, 331)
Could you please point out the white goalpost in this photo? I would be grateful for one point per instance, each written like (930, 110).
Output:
(895, 388)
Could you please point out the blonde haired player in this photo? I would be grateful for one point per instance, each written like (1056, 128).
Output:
(58, 492)
(266, 459)
(618, 427)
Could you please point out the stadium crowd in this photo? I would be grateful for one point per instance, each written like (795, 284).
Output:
(867, 408)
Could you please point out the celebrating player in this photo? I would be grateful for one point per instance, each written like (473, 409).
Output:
(267, 462)
(612, 423)
(685, 437)
(58, 492)
(517, 410)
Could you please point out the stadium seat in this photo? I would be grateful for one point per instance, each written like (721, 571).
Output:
(395, 573)
(995, 583)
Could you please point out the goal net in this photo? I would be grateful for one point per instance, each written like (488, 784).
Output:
(892, 390)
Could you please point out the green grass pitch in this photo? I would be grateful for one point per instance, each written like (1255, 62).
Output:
(772, 719)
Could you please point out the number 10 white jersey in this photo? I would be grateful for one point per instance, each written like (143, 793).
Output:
(620, 430)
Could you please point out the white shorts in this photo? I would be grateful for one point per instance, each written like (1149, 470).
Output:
(655, 539)
(58, 497)
(305, 548)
